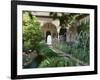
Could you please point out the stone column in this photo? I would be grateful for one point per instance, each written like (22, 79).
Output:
(58, 36)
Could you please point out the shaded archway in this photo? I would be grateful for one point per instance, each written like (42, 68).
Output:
(49, 28)
(62, 34)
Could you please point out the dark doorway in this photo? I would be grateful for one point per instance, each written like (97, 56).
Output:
(62, 34)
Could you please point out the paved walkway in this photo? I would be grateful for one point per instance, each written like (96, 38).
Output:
(66, 56)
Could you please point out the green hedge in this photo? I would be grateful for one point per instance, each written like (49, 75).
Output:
(57, 62)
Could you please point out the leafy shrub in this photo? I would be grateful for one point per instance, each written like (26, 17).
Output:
(46, 51)
(78, 50)
(57, 62)
(84, 37)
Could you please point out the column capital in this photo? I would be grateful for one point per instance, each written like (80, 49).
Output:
(58, 29)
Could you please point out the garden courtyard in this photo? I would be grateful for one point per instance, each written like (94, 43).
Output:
(55, 39)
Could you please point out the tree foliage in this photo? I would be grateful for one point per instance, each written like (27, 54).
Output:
(32, 33)
(65, 19)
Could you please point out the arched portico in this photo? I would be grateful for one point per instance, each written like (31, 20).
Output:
(49, 29)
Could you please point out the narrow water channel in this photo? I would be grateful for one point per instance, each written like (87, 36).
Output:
(34, 63)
